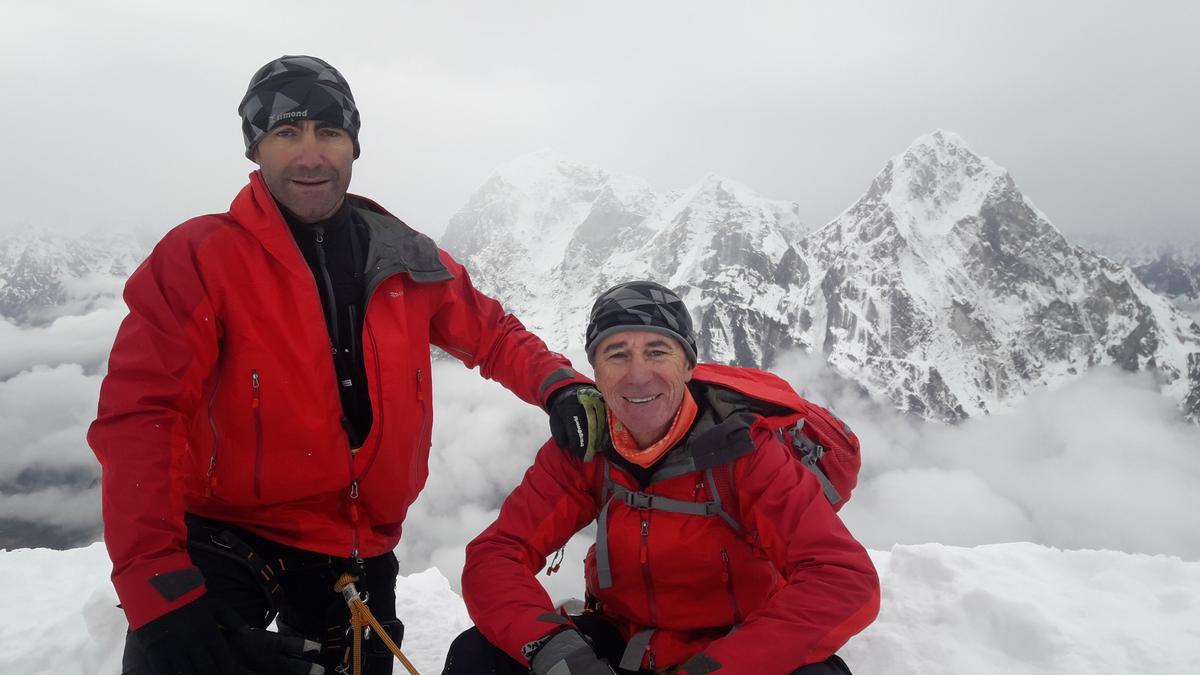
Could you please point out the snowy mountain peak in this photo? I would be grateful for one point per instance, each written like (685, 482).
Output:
(534, 172)
(530, 209)
(947, 290)
(942, 289)
(935, 183)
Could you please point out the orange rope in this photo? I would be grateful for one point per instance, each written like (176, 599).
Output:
(361, 616)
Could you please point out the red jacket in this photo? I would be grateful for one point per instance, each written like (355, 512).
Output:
(793, 580)
(221, 397)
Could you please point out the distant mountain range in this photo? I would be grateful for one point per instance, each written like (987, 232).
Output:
(942, 289)
(1172, 269)
(45, 275)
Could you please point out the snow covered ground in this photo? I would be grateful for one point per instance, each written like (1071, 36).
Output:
(1001, 609)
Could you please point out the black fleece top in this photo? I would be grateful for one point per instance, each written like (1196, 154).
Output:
(336, 252)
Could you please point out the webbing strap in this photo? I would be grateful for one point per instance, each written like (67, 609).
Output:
(632, 658)
(647, 502)
(612, 492)
(827, 487)
(603, 569)
(811, 453)
(720, 508)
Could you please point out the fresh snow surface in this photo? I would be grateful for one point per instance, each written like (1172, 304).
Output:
(1001, 609)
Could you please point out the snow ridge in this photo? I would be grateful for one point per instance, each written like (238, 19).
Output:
(988, 610)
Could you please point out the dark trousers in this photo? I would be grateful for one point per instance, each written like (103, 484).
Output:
(304, 604)
(472, 654)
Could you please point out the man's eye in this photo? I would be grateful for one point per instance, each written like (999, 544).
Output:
(284, 132)
(333, 133)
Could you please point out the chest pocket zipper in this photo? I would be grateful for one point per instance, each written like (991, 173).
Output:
(256, 410)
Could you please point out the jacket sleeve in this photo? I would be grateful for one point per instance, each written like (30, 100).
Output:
(832, 588)
(164, 350)
(475, 329)
(502, 594)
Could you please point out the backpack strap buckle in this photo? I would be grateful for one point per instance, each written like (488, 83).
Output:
(638, 500)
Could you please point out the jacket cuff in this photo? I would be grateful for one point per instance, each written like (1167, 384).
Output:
(149, 590)
(557, 380)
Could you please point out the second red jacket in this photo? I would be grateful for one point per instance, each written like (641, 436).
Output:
(793, 581)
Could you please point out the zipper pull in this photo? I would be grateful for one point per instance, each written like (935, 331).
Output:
(212, 476)
(724, 566)
(420, 388)
(354, 501)
(645, 535)
(255, 384)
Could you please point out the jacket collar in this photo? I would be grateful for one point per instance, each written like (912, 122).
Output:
(719, 435)
(394, 246)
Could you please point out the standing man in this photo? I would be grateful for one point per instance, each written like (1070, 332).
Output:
(265, 422)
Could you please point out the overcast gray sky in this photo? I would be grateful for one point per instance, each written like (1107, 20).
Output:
(123, 113)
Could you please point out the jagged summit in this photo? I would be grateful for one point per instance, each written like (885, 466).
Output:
(546, 234)
(933, 185)
(948, 291)
(943, 288)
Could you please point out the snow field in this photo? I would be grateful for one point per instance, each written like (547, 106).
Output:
(999, 609)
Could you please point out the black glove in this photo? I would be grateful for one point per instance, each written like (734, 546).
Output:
(567, 653)
(269, 653)
(578, 419)
(189, 640)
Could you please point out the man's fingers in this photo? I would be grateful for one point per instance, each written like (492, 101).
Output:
(298, 667)
(260, 641)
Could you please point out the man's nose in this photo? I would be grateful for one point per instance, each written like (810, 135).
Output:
(309, 151)
(638, 370)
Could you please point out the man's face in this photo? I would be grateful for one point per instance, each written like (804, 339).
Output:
(306, 165)
(642, 376)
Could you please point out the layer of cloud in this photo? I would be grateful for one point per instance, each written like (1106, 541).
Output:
(83, 339)
(1101, 462)
(48, 475)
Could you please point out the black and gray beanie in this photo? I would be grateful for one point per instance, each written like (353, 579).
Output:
(640, 305)
(293, 88)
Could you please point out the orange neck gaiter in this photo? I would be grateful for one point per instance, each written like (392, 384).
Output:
(626, 446)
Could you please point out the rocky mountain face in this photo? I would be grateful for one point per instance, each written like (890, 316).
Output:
(942, 289)
(44, 275)
(547, 235)
(945, 289)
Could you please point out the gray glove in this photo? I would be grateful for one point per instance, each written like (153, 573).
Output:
(567, 653)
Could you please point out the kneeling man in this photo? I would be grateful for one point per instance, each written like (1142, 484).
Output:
(717, 551)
